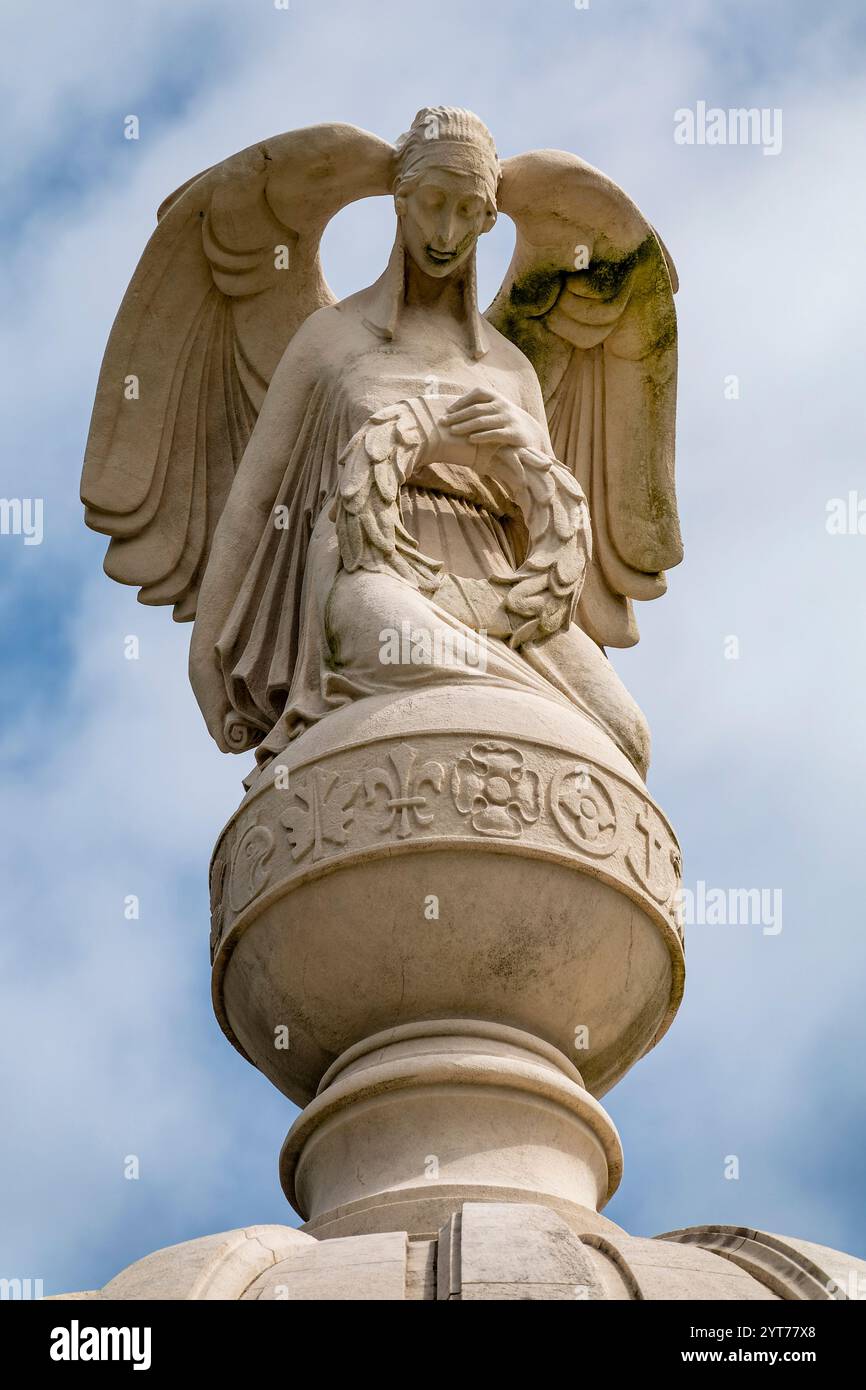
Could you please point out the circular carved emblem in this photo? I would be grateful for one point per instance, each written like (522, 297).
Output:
(585, 809)
(249, 871)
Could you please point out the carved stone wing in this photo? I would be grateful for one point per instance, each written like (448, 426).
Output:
(227, 278)
(588, 298)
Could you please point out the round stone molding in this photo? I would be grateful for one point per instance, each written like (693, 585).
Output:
(453, 1105)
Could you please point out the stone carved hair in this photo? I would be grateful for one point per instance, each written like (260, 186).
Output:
(451, 138)
(440, 137)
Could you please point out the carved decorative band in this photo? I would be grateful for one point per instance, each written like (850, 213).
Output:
(407, 792)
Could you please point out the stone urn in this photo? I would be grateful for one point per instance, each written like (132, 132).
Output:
(444, 924)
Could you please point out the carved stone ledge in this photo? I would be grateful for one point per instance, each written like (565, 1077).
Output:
(395, 796)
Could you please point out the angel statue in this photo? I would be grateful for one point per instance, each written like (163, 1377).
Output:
(307, 478)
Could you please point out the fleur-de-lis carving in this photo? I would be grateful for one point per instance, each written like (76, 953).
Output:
(402, 784)
(324, 814)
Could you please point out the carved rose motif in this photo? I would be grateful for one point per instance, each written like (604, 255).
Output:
(491, 785)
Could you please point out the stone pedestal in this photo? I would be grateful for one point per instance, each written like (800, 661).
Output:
(425, 1116)
(445, 924)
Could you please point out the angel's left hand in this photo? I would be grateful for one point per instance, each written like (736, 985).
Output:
(486, 417)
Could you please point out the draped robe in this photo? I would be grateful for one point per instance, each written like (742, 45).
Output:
(304, 636)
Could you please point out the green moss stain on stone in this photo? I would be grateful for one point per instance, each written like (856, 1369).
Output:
(606, 276)
(538, 290)
(520, 313)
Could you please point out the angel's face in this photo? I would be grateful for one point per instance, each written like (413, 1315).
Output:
(442, 217)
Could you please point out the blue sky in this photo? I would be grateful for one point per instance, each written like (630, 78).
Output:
(111, 785)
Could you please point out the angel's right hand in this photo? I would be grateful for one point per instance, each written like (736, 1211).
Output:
(485, 416)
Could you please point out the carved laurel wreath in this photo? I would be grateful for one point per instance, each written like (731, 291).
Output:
(399, 440)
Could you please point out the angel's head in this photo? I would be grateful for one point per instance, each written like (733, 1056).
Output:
(445, 189)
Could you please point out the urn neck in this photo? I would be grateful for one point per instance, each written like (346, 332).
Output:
(411, 1122)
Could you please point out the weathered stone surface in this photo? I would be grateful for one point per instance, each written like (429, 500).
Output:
(373, 1267)
(213, 1267)
(793, 1269)
(492, 1251)
(458, 1103)
(495, 1251)
(577, 944)
(664, 1270)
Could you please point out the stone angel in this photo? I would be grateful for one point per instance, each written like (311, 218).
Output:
(305, 478)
